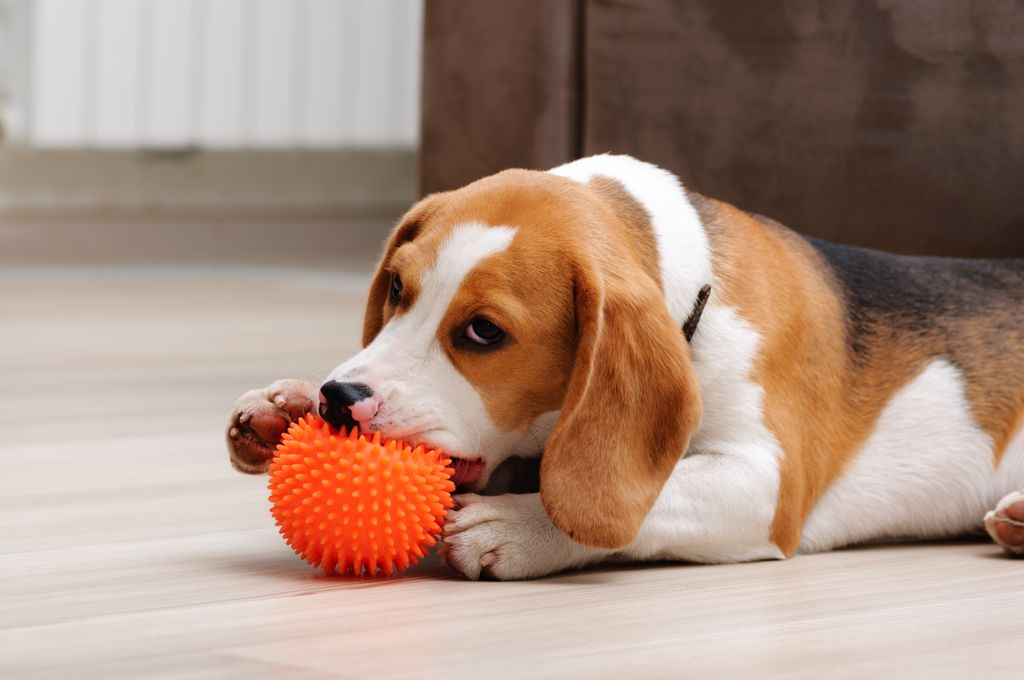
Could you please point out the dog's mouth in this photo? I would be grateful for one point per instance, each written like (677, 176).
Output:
(468, 471)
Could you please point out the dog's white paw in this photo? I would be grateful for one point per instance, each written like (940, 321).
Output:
(508, 537)
(1005, 524)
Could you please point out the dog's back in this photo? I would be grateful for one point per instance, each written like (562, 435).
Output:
(968, 312)
(944, 298)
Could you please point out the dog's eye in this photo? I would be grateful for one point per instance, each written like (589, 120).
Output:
(395, 291)
(482, 332)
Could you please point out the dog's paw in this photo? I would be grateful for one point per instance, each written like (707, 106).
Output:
(1005, 524)
(261, 417)
(507, 537)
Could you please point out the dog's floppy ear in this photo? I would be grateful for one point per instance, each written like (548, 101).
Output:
(632, 402)
(408, 227)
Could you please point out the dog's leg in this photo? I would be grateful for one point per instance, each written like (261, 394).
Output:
(1005, 524)
(261, 416)
(714, 508)
(509, 537)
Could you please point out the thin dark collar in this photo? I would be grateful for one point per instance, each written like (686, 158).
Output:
(690, 327)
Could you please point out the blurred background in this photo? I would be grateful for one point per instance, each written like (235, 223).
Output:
(246, 131)
(214, 131)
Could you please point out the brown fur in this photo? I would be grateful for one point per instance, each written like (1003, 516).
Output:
(763, 274)
(377, 310)
(636, 222)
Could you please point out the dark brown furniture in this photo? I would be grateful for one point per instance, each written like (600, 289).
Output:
(896, 124)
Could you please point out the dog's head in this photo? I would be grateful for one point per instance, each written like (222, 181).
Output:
(523, 314)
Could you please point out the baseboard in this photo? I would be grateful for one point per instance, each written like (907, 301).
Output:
(357, 182)
(327, 243)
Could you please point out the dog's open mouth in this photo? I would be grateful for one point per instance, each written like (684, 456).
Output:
(467, 471)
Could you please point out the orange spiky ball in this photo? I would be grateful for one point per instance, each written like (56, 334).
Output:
(356, 505)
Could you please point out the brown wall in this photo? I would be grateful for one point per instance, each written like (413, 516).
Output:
(897, 124)
(500, 88)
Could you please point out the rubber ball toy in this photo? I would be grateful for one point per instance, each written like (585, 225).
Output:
(356, 505)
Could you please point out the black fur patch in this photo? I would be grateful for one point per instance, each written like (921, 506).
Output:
(927, 297)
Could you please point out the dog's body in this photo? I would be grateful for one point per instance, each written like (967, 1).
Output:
(829, 395)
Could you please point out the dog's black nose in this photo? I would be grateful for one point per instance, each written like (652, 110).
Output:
(336, 398)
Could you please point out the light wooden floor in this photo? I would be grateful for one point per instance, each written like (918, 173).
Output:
(129, 547)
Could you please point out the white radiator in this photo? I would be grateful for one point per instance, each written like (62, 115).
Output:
(222, 73)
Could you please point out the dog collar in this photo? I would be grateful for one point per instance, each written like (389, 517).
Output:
(690, 327)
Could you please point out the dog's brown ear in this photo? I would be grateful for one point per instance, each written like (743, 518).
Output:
(408, 227)
(633, 401)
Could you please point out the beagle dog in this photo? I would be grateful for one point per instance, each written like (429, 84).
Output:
(827, 396)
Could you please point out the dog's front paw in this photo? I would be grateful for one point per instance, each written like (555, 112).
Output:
(508, 537)
(261, 416)
(1005, 524)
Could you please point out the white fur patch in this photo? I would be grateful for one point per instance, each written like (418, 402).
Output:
(925, 471)
(683, 247)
